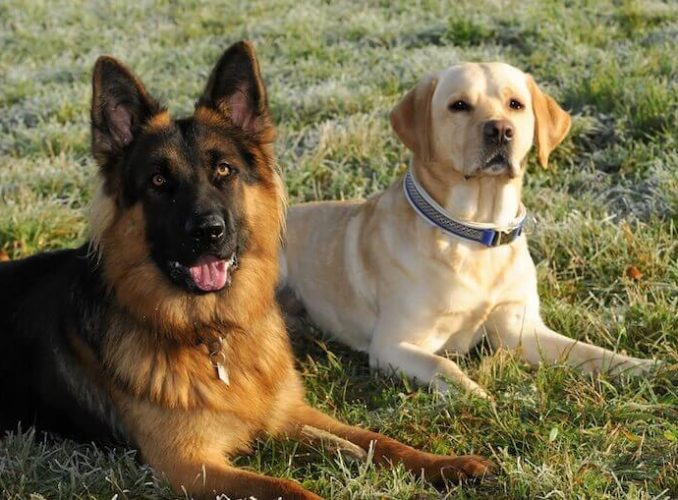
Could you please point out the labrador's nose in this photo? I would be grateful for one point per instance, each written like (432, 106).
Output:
(497, 132)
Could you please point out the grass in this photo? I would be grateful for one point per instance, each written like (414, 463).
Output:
(604, 226)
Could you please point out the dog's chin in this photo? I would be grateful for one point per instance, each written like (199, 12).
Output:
(208, 274)
(495, 165)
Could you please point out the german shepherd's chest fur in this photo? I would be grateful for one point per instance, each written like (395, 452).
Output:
(114, 340)
(77, 364)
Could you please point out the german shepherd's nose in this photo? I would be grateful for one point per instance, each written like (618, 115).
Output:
(207, 229)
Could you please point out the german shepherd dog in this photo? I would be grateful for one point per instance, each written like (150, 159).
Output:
(162, 331)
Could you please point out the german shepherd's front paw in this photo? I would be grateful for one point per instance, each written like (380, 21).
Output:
(458, 469)
(294, 491)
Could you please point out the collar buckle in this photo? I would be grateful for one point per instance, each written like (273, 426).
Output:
(505, 237)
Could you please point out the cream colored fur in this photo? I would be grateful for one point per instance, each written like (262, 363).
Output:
(382, 280)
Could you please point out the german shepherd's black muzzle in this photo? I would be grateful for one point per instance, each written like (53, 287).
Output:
(214, 246)
(207, 230)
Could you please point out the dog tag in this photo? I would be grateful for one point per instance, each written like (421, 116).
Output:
(222, 373)
(218, 359)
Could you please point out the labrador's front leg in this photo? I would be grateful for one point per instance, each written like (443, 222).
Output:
(519, 327)
(416, 362)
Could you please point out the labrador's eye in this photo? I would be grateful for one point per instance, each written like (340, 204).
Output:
(159, 181)
(515, 104)
(225, 169)
(460, 105)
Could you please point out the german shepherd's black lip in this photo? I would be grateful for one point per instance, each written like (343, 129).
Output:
(180, 274)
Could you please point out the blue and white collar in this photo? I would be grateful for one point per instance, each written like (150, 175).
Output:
(489, 235)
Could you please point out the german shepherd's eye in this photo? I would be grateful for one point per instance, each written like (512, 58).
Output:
(159, 181)
(460, 105)
(224, 170)
(516, 104)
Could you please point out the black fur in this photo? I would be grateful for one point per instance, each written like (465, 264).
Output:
(42, 299)
(48, 300)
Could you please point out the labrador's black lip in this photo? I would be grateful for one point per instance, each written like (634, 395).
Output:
(497, 159)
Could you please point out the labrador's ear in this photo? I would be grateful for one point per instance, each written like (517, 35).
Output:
(551, 122)
(236, 90)
(411, 118)
(120, 106)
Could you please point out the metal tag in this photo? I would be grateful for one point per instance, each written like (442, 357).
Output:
(222, 373)
(218, 359)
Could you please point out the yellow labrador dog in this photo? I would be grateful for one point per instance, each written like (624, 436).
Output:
(438, 259)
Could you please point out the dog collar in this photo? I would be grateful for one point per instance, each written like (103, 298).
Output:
(486, 234)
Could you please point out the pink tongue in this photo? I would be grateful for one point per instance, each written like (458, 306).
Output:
(209, 274)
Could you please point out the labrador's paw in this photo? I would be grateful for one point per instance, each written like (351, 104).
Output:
(633, 366)
(469, 386)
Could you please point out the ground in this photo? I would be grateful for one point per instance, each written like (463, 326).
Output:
(603, 230)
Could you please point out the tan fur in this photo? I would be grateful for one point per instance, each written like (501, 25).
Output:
(384, 281)
(551, 126)
(154, 360)
(209, 116)
(158, 123)
(101, 214)
(186, 422)
(145, 291)
(414, 128)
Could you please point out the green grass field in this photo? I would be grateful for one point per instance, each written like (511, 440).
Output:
(604, 229)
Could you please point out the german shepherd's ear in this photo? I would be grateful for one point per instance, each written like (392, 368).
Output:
(236, 90)
(551, 122)
(120, 106)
